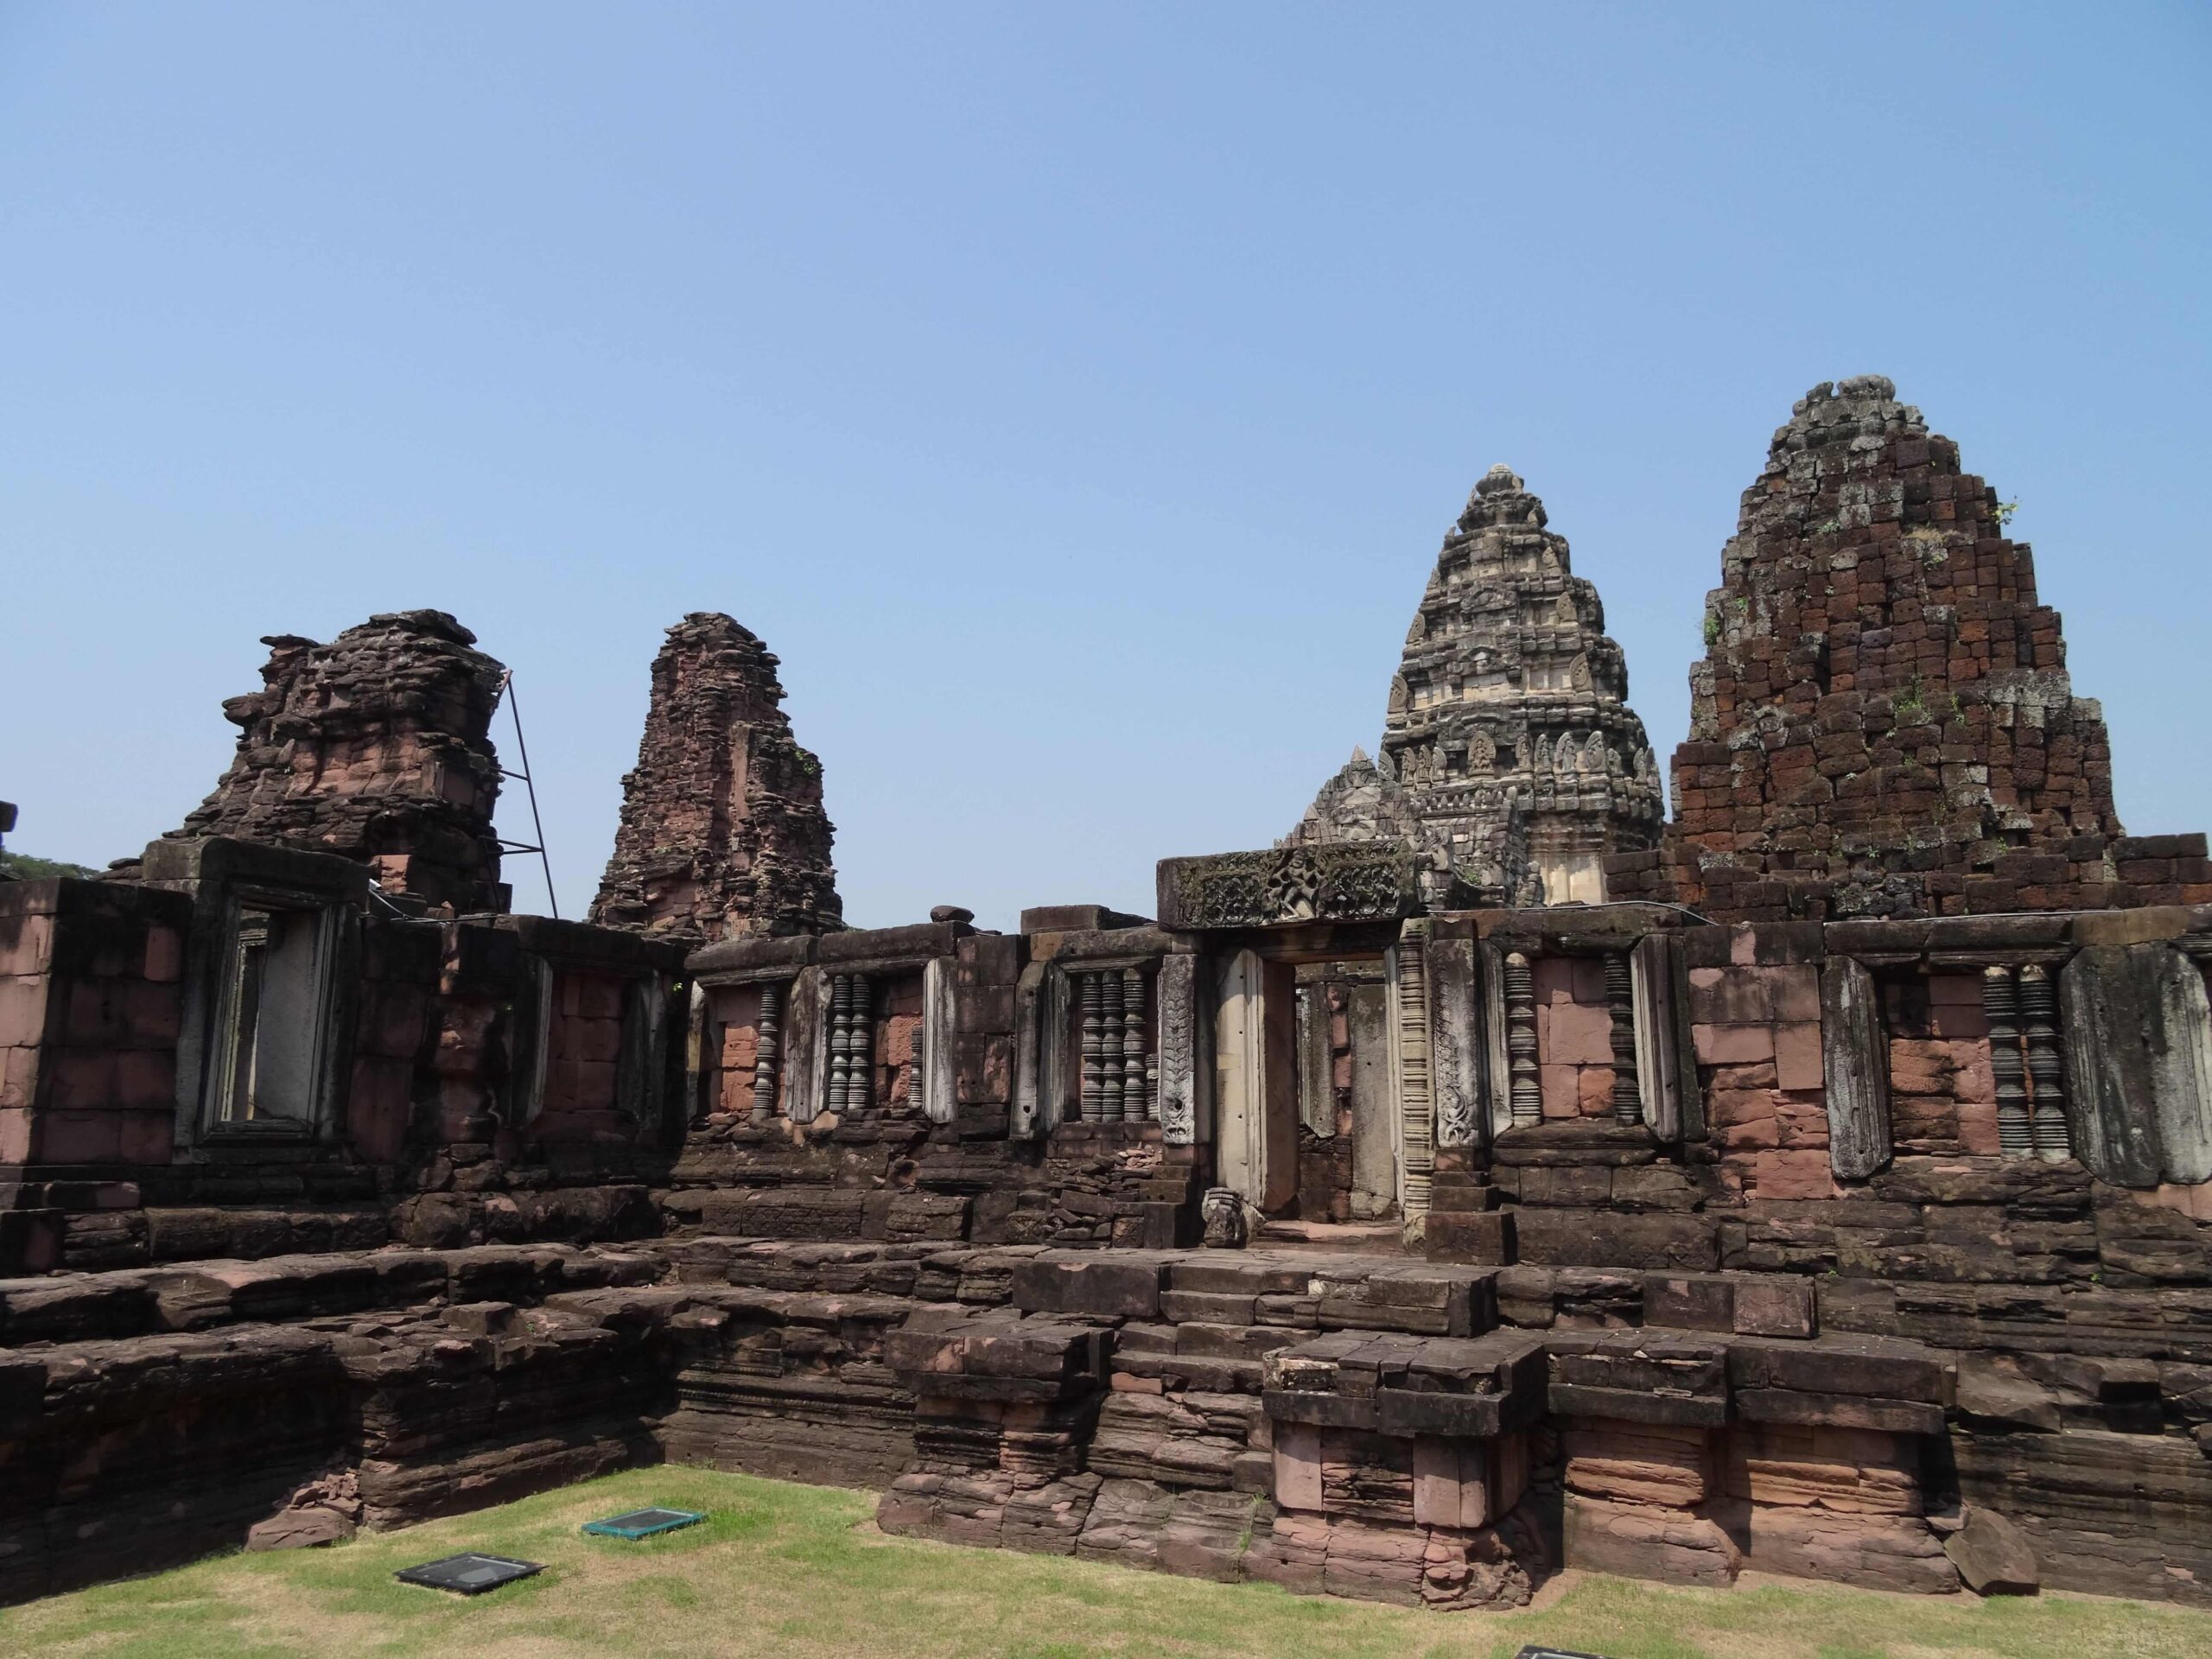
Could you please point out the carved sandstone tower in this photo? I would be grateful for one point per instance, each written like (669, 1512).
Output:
(1883, 725)
(376, 747)
(1508, 743)
(723, 831)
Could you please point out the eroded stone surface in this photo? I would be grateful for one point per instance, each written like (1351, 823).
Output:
(723, 832)
(376, 747)
(1883, 724)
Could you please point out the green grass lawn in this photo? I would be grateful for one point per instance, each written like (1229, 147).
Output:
(786, 1570)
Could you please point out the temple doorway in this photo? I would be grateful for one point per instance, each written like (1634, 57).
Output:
(1347, 1142)
(1307, 1132)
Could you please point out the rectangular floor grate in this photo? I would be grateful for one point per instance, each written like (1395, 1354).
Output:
(643, 1523)
(469, 1574)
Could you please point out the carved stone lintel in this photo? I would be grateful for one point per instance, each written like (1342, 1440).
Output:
(1628, 1093)
(2000, 1003)
(2046, 1068)
(1331, 881)
(1527, 1096)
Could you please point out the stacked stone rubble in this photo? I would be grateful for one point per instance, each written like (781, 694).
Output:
(376, 747)
(723, 831)
(1509, 754)
(1883, 724)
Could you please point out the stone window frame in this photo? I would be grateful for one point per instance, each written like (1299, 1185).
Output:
(642, 1060)
(802, 967)
(1670, 1105)
(210, 1128)
(1060, 1058)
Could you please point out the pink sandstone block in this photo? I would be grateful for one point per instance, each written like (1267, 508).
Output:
(1449, 1490)
(1297, 1467)
(1794, 991)
(599, 997)
(1955, 990)
(19, 1069)
(1731, 996)
(1562, 1087)
(81, 1137)
(145, 1079)
(1744, 946)
(27, 946)
(152, 1015)
(1733, 1045)
(1977, 1129)
(1554, 979)
(164, 959)
(1594, 1090)
(149, 1138)
(597, 1039)
(1760, 1133)
(1797, 1056)
(1957, 1021)
(15, 1135)
(1801, 1175)
(79, 1080)
(94, 1016)
(1775, 1306)
(393, 1021)
(22, 1009)
(1590, 981)
(1801, 1124)
(1577, 1035)
(595, 1082)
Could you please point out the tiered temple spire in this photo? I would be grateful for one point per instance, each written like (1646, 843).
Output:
(1510, 757)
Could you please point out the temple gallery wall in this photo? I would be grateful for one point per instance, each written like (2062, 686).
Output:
(1503, 1171)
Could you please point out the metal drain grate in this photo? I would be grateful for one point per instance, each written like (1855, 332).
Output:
(643, 1523)
(468, 1574)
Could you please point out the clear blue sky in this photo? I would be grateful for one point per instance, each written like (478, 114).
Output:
(1074, 396)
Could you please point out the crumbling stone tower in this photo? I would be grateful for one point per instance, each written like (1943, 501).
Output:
(376, 747)
(1883, 724)
(1508, 741)
(723, 831)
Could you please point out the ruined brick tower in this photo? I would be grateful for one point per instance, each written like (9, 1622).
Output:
(1508, 741)
(723, 831)
(376, 747)
(1883, 724)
